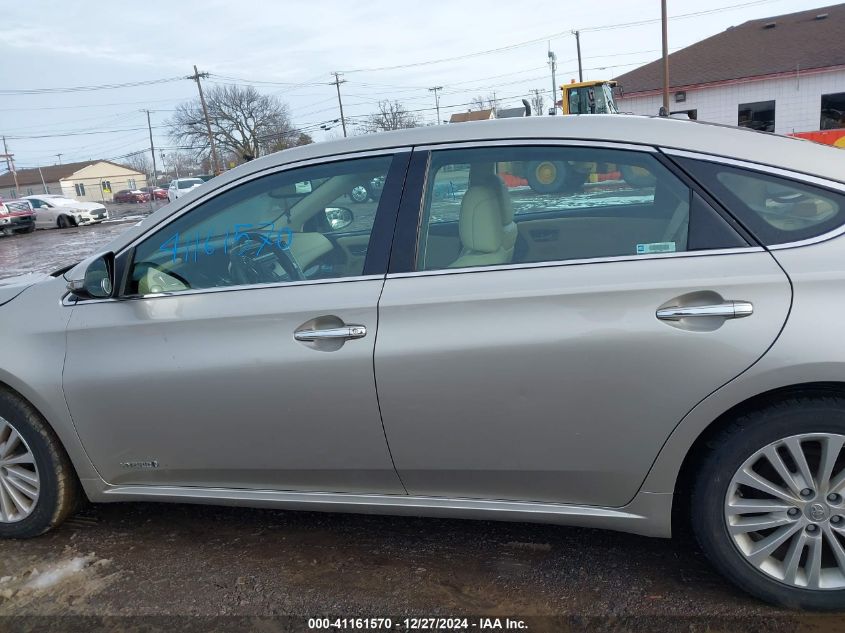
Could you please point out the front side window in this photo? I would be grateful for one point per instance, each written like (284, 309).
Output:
(294, 225)
(776, 210)
(833, 111)
(503, 205)
(757, 116)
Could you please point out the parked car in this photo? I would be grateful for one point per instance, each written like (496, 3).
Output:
(131, 195)
(16, 216)
(55, 211)
(622, 357)
(156, 192)
(370, 190)
(180, 186)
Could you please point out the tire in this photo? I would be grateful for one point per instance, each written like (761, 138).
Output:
(29, 229)
(637, 176)
(64, 222)
(58, 488)
(815, 425)
(547, 176)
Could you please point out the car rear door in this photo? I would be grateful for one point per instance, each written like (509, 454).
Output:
(557, 377)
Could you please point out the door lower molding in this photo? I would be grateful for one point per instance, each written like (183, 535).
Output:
(648, 514)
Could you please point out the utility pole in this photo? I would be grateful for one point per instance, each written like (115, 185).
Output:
(196, 77)
(10, 165)
(59, 156)
(43, 184)
(437, 101)
(665, 21)
(553, 66)
(578, 46)
(337, 81)
(154, 183)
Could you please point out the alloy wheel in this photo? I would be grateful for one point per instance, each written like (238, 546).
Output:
(19, 480)
(785, 510)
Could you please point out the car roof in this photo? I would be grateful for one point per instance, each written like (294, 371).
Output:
(696, 136)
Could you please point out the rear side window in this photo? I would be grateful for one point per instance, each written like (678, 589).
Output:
(775, 210)
(498, 205)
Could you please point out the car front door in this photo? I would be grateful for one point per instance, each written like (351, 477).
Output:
(239, 352)
(553, 367)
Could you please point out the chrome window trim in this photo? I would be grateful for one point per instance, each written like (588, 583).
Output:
(67, 300)
(775, 171)
(578, 262)
(535, 141)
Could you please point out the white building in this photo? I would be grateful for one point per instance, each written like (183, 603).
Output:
(784, 74)
(91, 180)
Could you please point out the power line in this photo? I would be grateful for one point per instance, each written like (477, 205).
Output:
(38, 91)
(552, 36)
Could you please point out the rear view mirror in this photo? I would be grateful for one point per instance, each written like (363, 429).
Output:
(97, 281)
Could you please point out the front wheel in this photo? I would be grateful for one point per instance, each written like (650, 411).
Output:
(38, 488)
(768, 507)
(64, 222)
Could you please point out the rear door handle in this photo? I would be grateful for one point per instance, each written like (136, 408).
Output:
(726, 310)
(344, 333)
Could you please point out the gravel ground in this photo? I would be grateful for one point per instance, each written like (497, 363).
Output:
(186, 567)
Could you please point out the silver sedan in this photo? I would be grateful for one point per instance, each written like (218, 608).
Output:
(605, 321)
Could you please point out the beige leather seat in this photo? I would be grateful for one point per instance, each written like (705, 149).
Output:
(480, 229)
(485, 174)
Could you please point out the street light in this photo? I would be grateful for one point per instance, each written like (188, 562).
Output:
(553, 66)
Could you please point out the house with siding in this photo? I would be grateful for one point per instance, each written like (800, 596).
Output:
(91, 180)
(784, 74)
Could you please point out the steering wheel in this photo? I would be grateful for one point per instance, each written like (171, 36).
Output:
(256, 262)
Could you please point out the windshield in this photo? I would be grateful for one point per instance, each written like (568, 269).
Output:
(596, 99)
(187, 184)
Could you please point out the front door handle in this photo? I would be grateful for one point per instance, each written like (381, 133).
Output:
(726, 310)
(344, 333)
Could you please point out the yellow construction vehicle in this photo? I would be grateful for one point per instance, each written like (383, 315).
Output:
(588, 97)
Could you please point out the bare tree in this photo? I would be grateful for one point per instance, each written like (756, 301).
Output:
(139, 161)
(244, 122)
(391, 115)
(490, 102)
(181, 164)
(537, 102)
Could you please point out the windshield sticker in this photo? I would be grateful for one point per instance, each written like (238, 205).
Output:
(655, 247)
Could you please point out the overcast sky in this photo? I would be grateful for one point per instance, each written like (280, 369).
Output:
(294, 46)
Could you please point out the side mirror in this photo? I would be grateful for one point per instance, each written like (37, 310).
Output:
(97, 281)
(339, 217)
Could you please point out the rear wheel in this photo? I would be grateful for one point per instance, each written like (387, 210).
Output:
(38, 488)
(768, 507)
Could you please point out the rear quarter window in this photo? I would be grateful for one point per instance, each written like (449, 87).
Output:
(775, 210)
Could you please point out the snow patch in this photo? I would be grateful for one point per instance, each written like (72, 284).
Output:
(57, 573)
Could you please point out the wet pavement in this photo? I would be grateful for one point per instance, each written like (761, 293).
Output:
(47, 250)
(184, 560)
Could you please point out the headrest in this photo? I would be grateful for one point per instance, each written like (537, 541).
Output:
(480, 224)
(484, 174)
